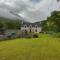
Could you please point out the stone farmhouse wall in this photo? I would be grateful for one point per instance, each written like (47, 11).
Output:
(33, 29)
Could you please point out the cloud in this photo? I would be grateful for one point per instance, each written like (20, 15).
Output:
(29, 10)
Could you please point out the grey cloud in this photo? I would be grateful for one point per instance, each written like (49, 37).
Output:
(27, 10)
(5, 10)
(6, 14)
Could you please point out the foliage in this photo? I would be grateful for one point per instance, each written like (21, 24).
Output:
(18, 25)
(52, 23)
(56, 35)
(35, 35)
(9, 23)
(1, 25)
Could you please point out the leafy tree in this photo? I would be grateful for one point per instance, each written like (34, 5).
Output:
(44, 25)
(55, 17)
(18, 25)
(10, 25)
(1, 25)
(53, 22)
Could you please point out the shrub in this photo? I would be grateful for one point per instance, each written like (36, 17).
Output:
(28, 36)
(57, 35)
(35, 36)
(9, 37)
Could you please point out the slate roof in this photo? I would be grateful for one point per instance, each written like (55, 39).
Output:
(33, 24)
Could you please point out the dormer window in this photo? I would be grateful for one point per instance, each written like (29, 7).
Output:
(25, 26)
(36, 26)
(30, 26)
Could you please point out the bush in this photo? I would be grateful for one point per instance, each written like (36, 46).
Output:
(35, 36)
(9, 37)
(57, 35)
(29, 36)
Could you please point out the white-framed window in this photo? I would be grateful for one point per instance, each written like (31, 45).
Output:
(30, 26)
(36, 26)
(25, 26)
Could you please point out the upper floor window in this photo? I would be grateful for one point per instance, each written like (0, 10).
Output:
(25, 26)
(30, 26)
(36, 26)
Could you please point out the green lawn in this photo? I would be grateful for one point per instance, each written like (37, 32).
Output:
(30, 49)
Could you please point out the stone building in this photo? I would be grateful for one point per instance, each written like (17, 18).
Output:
(31, 27)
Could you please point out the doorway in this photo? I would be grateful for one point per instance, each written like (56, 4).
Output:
(30, 31)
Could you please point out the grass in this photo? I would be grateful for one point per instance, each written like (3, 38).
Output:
(44, 48)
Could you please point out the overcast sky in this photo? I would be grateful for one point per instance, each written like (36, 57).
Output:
(29, 10)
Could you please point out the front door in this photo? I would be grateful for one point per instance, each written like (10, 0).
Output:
(30, 31)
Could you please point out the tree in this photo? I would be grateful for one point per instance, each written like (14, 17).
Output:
(10, 25)
(18, 25)
(55, 17)
(13, 25)
(1, 25)
(44, 25)
(53, 22)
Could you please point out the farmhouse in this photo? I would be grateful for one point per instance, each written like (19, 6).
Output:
(31, 27)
